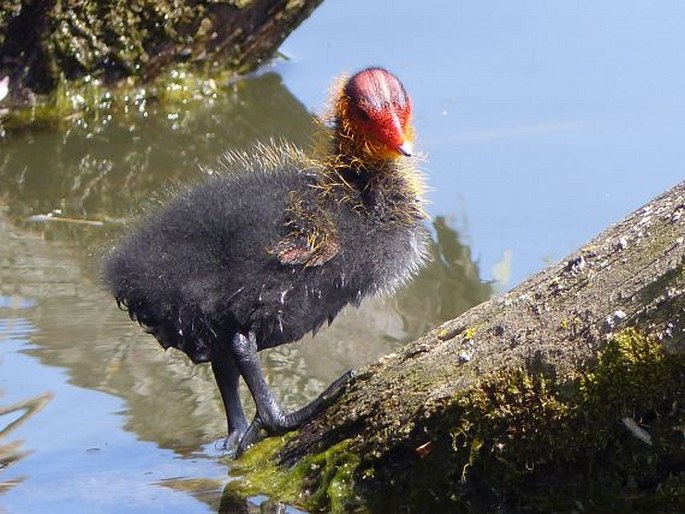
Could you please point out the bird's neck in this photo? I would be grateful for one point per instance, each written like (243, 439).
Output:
(353, 153)
(358, 172)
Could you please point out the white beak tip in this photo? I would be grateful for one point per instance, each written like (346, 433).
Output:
(406, 149)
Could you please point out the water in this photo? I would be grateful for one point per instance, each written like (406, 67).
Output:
(542, 125)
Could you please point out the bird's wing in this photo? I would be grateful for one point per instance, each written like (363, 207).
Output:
(306, 249)
(312, 236)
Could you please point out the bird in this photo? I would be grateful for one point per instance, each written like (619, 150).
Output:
(275, 243)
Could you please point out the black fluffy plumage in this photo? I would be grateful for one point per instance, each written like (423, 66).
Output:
(204, 267)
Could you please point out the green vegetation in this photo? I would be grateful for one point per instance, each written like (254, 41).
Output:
(320, 482)
(89, 102)
(610, 437)
(519, 433)
(80, 60)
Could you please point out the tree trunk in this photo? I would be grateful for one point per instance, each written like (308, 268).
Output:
(565, 393)
(42, 43)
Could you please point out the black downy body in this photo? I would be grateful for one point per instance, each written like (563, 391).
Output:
(268, 249)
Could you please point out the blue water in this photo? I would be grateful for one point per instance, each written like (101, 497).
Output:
(76, 455)
(542, 123)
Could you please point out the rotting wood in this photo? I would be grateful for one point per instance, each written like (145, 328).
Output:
(48, 45)
(574, 377)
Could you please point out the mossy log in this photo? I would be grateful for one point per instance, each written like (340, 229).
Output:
(43, 44)
(564, 394)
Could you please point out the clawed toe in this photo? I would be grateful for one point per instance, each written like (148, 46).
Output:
(279, 424)
(251, 436)
(231, 443)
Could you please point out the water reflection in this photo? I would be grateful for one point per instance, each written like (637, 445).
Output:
(104, 174)
(104, 168)
(448, 286)
(258, 505)
(11, 418)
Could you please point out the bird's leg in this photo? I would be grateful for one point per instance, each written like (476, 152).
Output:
(268, 410)
(227, 375)
(269, 415)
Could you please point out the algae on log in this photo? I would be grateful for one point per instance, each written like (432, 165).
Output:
(43, 43)
(565, 393)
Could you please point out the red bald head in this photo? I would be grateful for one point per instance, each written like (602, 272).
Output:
(379, 108)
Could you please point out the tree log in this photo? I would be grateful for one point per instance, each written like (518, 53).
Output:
(565, 393)
(42, 43)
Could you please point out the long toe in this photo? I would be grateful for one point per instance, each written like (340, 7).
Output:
(232, 441)
(280, 424)
(250, 437)
(326, 398)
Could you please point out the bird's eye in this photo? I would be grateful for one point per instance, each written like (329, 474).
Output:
(362, 115)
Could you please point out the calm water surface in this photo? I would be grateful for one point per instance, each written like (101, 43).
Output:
(542, 124)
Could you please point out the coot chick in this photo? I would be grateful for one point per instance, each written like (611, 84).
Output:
(277, 244)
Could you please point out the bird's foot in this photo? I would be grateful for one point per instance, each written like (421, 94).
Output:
(279, 423)
(230, 443)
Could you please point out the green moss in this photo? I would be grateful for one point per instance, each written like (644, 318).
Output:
(121, 51)
(89, 103)
(470, 333)
(259, 474)
(319, 482)
(630, 375)
(511, 441)
(519, 433)
(515, 437)
(90, 37)
(294, 4)
(570, 324)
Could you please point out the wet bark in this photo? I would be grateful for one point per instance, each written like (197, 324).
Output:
(43, 43)
(575, 377)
